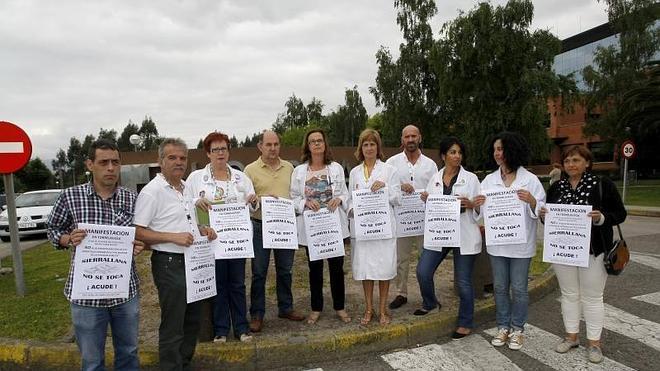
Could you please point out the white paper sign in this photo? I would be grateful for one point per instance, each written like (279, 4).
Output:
(200, 270)
(232, 224)
(443, 222)
(567, 234)
(504, 218)
(102, 262)
(324, 237)
(278, 220)
(410, 215)
(372, 214)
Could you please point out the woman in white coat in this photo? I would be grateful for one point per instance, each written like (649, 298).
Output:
(216, 183)
(510, 262)
(316, 183)
(374, 260)
(453, 179)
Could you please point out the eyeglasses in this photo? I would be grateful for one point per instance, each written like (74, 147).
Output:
(219, 149)
(316, 141)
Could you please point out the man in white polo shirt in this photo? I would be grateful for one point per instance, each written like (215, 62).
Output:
(164, 219)
(414, 170)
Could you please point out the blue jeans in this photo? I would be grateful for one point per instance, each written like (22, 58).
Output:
(283, 266)
(463, 267)
(510, 275)
(91, 328)
(229, 306)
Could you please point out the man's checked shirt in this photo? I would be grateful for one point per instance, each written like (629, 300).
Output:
(81, 204)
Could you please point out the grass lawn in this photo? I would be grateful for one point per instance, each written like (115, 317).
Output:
(43, 314)
(537, 266)
(642, 193)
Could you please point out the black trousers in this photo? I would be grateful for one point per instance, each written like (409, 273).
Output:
(336, 268)
(179, 322)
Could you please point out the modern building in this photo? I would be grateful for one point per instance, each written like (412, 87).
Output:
(566, 126)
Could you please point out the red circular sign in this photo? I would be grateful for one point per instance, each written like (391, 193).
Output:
(628, 149)
(15, 148)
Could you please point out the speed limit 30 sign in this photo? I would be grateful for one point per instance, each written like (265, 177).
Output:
(628, 150)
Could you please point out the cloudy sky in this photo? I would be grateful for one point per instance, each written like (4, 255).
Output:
(68, 68)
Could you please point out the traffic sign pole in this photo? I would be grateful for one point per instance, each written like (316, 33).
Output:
(13, 235)
(625, 180)
(628, 151)
(15, 152)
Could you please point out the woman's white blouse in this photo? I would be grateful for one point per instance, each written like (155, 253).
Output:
(467, 185)
(339, 190)
(530, 182)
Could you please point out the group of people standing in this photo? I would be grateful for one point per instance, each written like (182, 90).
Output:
(167, 220)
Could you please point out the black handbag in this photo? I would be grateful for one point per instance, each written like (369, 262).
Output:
(618, 257)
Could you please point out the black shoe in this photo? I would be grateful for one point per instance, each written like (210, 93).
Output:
(423, 312)
(398, 302)
(458, 335)
(420, 312)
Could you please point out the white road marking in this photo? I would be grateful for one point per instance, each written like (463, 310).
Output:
(11, 147)
(649, 261)
(540, 345)
(653, 298)
(470, 353)
(632, 326)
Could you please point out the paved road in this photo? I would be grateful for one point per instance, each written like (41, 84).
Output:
(631, 336)
(26, 243)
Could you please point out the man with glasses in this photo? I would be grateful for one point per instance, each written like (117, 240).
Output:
(164, 220)
(271, 176)
(103, 202)
(413, 170)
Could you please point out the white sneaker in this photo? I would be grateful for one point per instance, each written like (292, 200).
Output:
(594, 354)
(245, 338)
(566, 345)
(501, 337)
(220, 339)
(515, 340)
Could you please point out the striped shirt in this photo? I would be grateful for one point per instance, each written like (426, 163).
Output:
(81, 204)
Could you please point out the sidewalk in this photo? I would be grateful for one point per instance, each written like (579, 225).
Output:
(283, 343)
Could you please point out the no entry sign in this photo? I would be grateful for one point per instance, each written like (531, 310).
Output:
(15, 148)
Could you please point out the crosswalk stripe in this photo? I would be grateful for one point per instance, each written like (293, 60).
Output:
(540, 344)
(470, 353)
(649, 261)
(653, 298)
(632, 326)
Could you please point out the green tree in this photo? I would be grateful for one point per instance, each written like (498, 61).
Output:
(406, 88)
(149, 134)
(34, 176)
(233, 142)
(76, 161)
(295, 115)
(86, 145)
(494, 74)
(620, 69)
(345, 124)
(60, 166)
(314, 111)
(123, 142)
(109, 134)
(200, 144)
(640, 111)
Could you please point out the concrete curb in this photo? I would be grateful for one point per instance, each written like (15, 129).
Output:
(273, 352)
(643, 211)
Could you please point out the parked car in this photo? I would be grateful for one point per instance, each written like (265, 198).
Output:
(32, 211)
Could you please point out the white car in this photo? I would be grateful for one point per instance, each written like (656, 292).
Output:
(32, 211)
